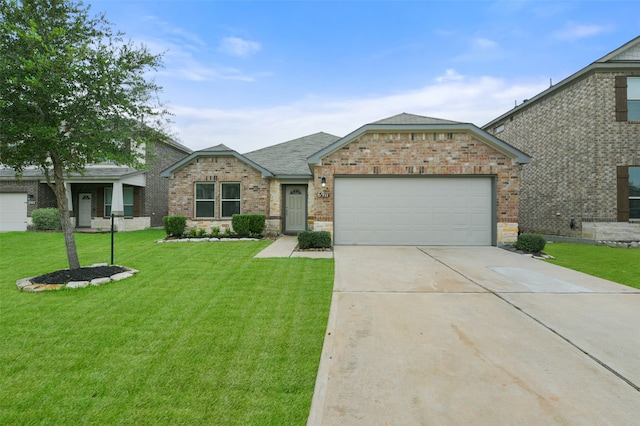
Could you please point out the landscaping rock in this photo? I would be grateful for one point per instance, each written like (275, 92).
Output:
(620, 244)
(25, 282)
(100, 281)
(205, 239)
(46, 282)
(121, 276)
(78, 284)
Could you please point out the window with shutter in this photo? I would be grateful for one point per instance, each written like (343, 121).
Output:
(633, 98)
(621, 98)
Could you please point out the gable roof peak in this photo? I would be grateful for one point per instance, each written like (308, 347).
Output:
(405, 118)
(628, 52)
(219, 147)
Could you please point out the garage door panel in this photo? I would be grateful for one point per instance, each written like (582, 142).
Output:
(13, 212)
(413, 211)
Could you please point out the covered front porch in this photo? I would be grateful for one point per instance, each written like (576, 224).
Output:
(92, 201)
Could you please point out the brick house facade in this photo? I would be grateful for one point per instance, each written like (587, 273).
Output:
(145, 190)
(214, 167)
(406, 151)
(583, 143)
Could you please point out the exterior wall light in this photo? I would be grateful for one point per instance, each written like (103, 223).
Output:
(323, 181)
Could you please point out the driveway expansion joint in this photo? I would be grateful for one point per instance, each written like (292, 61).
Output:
(497, 294)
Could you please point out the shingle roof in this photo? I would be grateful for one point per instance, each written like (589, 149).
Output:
(290, 158)
(219, 147)
(92, 172)
(178, 145)
(405, 118)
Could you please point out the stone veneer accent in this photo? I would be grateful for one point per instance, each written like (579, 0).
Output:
(576, 144)
(615, 231)
(254, 189)
(420, 154)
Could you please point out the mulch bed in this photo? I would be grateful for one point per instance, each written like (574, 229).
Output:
(82, 274)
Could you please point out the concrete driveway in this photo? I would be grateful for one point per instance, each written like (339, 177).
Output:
(459, 335)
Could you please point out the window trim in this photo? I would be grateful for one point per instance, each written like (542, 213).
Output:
(622, 98)
(630, 99)
(632, 197)
(235, 200)
(196, 200)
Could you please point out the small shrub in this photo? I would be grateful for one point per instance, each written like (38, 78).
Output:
(47, 219)
(530, 243)
(248, 224)
(174, 225)
(314, 239)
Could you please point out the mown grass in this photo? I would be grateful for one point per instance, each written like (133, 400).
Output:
(621, 265)
(203, 334)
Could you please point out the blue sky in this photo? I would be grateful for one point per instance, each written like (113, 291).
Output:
(250, 74)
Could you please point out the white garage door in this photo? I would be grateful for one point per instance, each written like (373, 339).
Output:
(13, 212)
(413, 211)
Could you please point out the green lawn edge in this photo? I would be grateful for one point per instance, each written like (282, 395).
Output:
(621, 265)
(203, 334)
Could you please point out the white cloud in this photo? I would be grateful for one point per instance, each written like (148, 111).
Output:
(485, 43)
(181, 63)
(236, 46)
(479, 49)
(574, 31)
(475, 100)
(449, 75)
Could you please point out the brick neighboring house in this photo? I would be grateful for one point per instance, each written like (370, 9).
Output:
(143, 193)
(407, 179)
(583, 134)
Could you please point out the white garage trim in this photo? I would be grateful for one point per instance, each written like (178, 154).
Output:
(399, 210)
(13, 211)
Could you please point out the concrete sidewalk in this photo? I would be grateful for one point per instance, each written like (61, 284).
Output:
(434, 335)
(285, 246)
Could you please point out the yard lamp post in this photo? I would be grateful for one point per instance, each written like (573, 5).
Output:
(112, 232)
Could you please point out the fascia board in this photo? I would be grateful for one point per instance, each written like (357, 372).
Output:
(293, 177)
(596, 66)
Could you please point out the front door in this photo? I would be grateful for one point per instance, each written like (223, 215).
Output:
(84, 210)
(296, 208)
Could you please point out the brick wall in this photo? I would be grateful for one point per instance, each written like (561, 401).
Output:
(254, 189)
(575, 144)
(421, 154)
(155, 194)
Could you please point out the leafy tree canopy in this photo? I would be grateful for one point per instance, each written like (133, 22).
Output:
(72, 90)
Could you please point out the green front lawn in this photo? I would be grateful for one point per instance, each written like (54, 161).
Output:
(203, 334)
(621, 265)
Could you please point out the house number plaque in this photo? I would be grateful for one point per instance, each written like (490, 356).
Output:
(325, 194)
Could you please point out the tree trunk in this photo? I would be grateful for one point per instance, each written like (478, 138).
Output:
(63, 205)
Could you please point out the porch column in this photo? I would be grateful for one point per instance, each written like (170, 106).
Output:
(117, 199)
(67, 190)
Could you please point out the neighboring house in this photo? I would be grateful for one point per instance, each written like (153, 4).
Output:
(407, 179)
(583, 134)
(138, 197)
